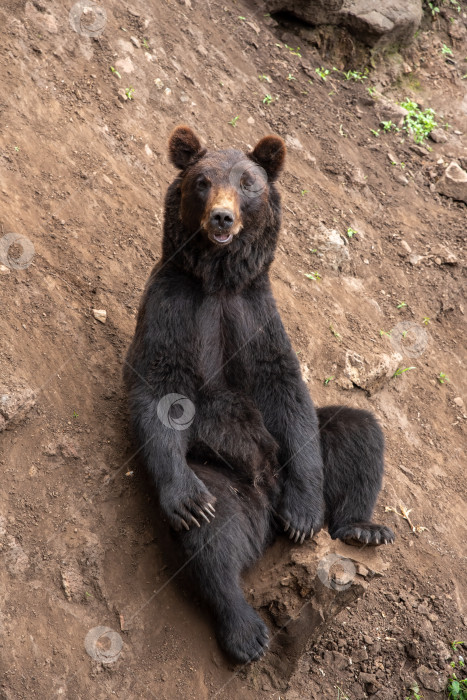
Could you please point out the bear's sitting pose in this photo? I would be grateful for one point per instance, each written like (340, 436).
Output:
(251, 455)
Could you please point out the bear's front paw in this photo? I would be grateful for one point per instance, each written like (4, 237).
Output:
(301, 512)
(185, 501)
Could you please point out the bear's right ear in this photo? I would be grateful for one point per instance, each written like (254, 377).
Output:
(269, 153)
(184, 146)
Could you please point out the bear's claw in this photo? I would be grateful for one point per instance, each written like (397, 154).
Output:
(358, 534)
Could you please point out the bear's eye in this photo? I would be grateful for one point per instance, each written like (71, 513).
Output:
(202, 183)
(247, 182)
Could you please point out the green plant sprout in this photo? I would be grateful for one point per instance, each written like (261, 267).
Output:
(443, 378)
(290, 77)
(129, 93)
(385, 333)
(327, 380)
(446, 51)
(294, 52)
(356, 75)
(322, 72)
(233, 121)
(75, 415)
(115, 72)
(267, 99)
(371, 90)
(303, 192)
(419, 123)
(387, 126)
(401, 371)
(375, 132)
(351, 232)
(334, 332)
(414, 693)
(315, 276)
(265, 78)
(401, 304)
(145, 44)
(426, 320)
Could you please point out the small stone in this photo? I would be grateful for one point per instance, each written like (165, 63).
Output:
(250, 121)
(430, 679)
(388, 111)
(135, 42)
(100, 315)
(4, 270)
(293, 142)
(438, 136)
(459, 401)
(158, 83)
(367, 639)
(401, 179)
(372, 685)
(406, 246)
(359, 655)
(453, 183)
(415, 259)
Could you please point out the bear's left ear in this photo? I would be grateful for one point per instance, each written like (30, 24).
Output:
(184, 146)
(269, 153)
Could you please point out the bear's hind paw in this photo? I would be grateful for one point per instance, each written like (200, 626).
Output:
(365, 533)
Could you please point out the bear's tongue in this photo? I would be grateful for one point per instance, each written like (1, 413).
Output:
(222, 237)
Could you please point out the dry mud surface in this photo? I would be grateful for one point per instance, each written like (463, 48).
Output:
(82, 177)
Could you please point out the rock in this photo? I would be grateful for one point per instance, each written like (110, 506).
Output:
(401, 179)
(100, 315)
(438, 136)
(459, 401)
(372, 685)
(293, 142)
(430, 679)
(453, 183)
(359, 655)
(4, 270)
(406, 247)
(135, 42)
(374, 22)
(14, 405)
(331, 248)
(250, 121)
(388, 111)
(371, 373)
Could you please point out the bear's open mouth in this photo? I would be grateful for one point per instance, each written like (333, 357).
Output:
(222, 238)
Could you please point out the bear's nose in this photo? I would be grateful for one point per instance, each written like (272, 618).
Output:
(222, 218)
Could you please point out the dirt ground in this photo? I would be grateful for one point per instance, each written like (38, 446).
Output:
(83, 173)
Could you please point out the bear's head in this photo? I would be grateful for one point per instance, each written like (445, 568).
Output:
(222, 213)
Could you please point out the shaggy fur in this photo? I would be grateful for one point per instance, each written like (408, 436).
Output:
(257, 452)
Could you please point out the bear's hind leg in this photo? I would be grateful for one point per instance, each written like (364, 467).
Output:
(218, 552)
(353, 455)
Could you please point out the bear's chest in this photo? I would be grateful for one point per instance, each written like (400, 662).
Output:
(227, 328)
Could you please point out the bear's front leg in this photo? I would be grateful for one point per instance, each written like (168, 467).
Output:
(290, 417)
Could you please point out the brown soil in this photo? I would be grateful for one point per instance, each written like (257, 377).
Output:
(82, 176)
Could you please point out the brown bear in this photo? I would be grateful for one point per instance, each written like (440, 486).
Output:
(225, 424)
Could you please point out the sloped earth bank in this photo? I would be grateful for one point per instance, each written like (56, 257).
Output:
(83, 172)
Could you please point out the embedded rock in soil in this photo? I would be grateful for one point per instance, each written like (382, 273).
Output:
(374, 22)
(318, 583)
(453, 183)
(430, 679)
(370, 373)
(14, 405)
(331, 248)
